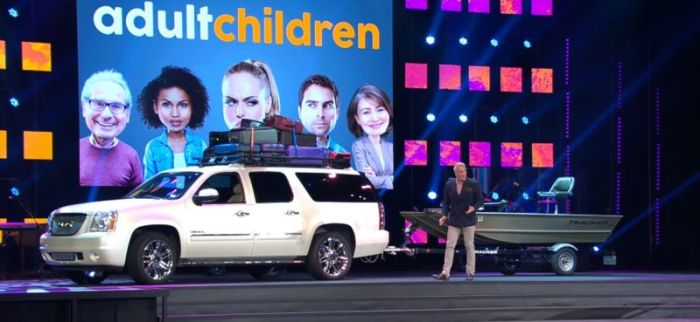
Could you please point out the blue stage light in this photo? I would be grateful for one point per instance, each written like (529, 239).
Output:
(494, 42)
(463, 41)
(14, 191)
(430, 40)
(463, 118)
(432, 195)
(596, 249)
(526, 196)
(14, 102)
(13, 12)
(525, 120)
(430, 117)
(527, 44)
(495, 196)
(494, 119)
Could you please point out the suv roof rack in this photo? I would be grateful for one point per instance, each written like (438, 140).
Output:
(220, 155)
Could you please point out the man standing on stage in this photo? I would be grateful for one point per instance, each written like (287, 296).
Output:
(461, 198)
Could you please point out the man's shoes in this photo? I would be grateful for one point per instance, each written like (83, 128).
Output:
(470, 277)
(441, 277)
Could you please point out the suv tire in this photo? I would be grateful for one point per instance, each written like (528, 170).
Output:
(330, 256)
(152, 258)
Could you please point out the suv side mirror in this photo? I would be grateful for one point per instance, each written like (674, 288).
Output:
(206, 195)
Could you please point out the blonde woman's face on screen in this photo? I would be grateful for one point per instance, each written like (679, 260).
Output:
(244, 97)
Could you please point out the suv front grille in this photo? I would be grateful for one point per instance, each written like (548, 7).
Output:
(66, 224)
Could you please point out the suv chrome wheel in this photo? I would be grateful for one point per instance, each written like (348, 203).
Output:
(152, 258)
(330, 256)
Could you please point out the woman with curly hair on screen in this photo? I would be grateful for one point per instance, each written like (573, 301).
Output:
(175, 100)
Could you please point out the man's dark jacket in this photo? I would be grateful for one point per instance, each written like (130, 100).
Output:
(455, 205)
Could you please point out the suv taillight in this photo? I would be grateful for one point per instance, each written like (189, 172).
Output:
(382, 220)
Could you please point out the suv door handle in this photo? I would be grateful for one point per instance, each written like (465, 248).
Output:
(242, 213)
(291, 212)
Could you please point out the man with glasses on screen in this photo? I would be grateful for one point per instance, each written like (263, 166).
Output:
(104, 160)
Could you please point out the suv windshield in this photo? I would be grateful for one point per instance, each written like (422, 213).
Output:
(171, 185)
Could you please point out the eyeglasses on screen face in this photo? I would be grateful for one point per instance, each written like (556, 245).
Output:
(100, 105)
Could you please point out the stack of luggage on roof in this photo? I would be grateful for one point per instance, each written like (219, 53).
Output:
(277, 141)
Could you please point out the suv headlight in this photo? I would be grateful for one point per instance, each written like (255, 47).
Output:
(103, 221)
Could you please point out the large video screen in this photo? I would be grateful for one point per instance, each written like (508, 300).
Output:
(157, 76)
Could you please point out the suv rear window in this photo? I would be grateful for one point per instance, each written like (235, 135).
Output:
(332, 187)
(271, 187)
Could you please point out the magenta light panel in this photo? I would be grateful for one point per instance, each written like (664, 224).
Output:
(542, 155)
(479, 154)
(479, 78)
(451, 5)
(511, 155)
(511, 79)
(417, 4)
(419, 236)
(450, 153)
(416, 75)
(450, 77)
(512, 7)
(542, 80)
(478, 6)
(541, 8)
(415, 152)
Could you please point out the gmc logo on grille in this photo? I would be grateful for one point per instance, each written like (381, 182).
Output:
(64, 224)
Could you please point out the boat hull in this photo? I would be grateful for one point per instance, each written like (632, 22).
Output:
(497, 228)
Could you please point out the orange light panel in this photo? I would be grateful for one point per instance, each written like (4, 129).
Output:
(38, 145)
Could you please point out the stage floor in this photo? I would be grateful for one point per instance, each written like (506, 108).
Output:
(402, 296)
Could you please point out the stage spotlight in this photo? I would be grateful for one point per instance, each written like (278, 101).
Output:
(525, 120)
(596, 249)
(495, 196)
(432, 195)
(463, 41)
(526, 196)
(527, 44)
(494, 119)
(430, 40)
(494, 42)
(13, 12)
(14, 191)
(430, 117)
(463, 118)
(14, 102)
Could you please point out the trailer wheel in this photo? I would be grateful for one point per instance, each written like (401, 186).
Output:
(508, 266)
(564, 261)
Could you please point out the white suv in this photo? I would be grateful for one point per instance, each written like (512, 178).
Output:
(221, 215)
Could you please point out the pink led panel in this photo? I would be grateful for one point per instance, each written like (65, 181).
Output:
(417, 4)
(542, 155)
(479, 154)
(451, 5)
(511, 155)
(419, 236)
(512, 7)
(480, 78)
(542, 81)
(416, 75)
(415, 152)
(450, 152)
(478, 6)
(511, 79)
(450, 76)
(542, 8)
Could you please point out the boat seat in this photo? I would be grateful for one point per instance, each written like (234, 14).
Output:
(562, 188)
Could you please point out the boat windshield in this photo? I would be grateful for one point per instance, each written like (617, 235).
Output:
(168, 185)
